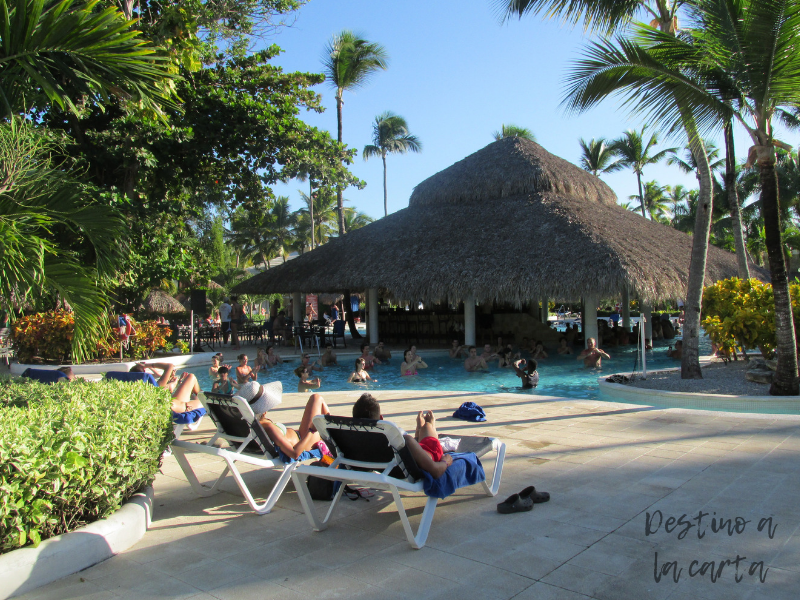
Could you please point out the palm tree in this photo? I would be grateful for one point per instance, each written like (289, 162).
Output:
(250, 234)
(62, 51)
(687, 164)
(597, 157)
(655, 201)
(634, 152)
(677, 198)
(514, 131)
(390, 134)
(350, 61)
(356, 219)
(321, 207)
(281, 222)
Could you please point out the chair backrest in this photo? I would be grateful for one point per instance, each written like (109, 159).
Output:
(338, 328)
(375, 445)
(48, 376)
(132, 376)
(237, 424)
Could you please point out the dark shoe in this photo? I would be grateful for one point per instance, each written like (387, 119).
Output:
(534, 496)
(514, 503)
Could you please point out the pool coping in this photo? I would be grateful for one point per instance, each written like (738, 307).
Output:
(620, 392)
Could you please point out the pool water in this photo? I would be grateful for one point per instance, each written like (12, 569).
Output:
(562, 376)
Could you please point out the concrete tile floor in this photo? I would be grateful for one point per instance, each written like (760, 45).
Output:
(607, 466)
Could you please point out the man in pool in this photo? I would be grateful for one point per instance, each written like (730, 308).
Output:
(328, 357)
(369, 361)
(382, 353)
(456, 350)
(592, 356)
(488, 354)
(424, 446)
(475, 362)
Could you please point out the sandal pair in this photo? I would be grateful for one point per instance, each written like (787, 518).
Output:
(523, 501)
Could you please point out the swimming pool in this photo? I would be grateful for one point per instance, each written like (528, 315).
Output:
(562, 376)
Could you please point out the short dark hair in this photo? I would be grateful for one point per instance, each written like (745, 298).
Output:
(137, 369)
(222, 370)
(67, 371)
(364, 345)
(472, 348)
(366, 407)
(241, 357)
(532, 365)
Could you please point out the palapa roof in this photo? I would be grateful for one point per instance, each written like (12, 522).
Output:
(159, 301)
(510, 222)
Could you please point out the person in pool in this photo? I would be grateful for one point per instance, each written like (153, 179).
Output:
(563, 347)
(474, 362)
(424, 446)
(261, 361)
(369, 361)
(488, 354)
(306, 383)
(677, 353)
(243, 372)
(273, 358)
(411, 363)
(328, 357)
(540, 352)
(505, 358)
(526, 371)
(382, 353)
(592, 356)
(223, 385)
(360, 374)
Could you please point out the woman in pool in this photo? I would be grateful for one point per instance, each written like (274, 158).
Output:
(563, 348)
(273, 359)
(306, 383)
(505, 357)
(213, 370)
(360, 375)
(411, 363)
(261, 361)
(540, 352)
(243, 372)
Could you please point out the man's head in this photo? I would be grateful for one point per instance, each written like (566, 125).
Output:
(328, 348)
(235, 299)
(455, 343)
(302, 371)
(242, 358)
(380, 345)
(366, 407)
(487, 348)
(137, 369)
(473, 351)
(363, 346)
(590, 343)
(305, 359)
(68, 372)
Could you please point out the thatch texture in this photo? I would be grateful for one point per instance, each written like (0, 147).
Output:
(456, 239)
(159, 301)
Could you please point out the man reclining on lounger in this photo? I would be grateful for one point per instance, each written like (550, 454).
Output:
(427, 452)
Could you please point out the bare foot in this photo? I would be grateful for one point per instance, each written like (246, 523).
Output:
(429, 418)
(420, 420)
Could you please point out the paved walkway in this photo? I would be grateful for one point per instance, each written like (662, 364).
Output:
(606, 465)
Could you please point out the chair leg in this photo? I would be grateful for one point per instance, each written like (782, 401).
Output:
(416, 541)
(497, 474)
(307, 502)
(266, 506)
(200, 489)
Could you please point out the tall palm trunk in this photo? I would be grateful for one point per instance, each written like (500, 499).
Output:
(733, 201)
(385, 194)
(641, 195)
(339, 200)
(311, 209)
(690, 363)
(785, 382)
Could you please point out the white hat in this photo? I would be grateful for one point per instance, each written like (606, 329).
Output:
(261, 397)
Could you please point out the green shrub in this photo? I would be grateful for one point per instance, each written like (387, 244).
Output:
(72, 453)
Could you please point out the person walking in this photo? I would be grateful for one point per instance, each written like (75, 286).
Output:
(237, 317)
(225, 320)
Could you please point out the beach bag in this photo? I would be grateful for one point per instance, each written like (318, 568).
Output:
(319, 488)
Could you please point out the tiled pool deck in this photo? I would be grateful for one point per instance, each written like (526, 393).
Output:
(606, 465)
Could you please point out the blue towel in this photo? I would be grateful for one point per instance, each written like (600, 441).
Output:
(134, 376)
(307, 455)
(190, 416)
(43, 375)
(465, 470)
(469, 411)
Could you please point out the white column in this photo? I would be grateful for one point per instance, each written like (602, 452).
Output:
(545, 312)
(589, 317)
(648, 327)
(297, 308)
(372, 306)
(469, 321)
(626, 308)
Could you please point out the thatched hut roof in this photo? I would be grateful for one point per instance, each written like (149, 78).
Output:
(159, 301)
(510, 222)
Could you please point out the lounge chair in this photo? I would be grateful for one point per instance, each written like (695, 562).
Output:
(374, 454)
(237, 425)
(338, 332)
(48, 376)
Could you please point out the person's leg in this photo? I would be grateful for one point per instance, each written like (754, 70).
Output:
(428, 428)
(315, 406)
(182, 396)
(235, 335)
(226, 331)
(285, 442)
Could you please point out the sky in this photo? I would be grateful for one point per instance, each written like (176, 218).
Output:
(456, 74)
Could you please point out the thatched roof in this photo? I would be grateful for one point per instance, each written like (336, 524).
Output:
(158, 301)
(510, 222)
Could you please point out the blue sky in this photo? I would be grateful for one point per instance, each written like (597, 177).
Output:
(456, 74)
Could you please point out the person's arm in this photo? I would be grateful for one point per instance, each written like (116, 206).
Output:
(166, 372)
(422, 364)
(603, 353)
(352, 376)
(424, 460)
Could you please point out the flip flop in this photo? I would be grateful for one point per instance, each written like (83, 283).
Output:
(534, 496)
(514, 503)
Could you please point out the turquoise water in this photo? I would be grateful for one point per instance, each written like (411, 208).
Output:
(562, 376)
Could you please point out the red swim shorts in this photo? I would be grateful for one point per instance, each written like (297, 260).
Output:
(432, 446)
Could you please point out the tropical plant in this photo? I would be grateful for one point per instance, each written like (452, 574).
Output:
(282, 222)
(321, 207)
(654, 201)
(250, 233)
(73, 454)
(62, 51)
(507, 131)
(390, 135)
(350, 62)
(355, 219)
(597, 157)
(633, 152)
(687, 164)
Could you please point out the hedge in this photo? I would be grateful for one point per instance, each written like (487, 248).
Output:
(73, 453)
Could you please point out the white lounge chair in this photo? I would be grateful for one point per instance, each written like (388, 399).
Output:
(373, 454)
(237, 425)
